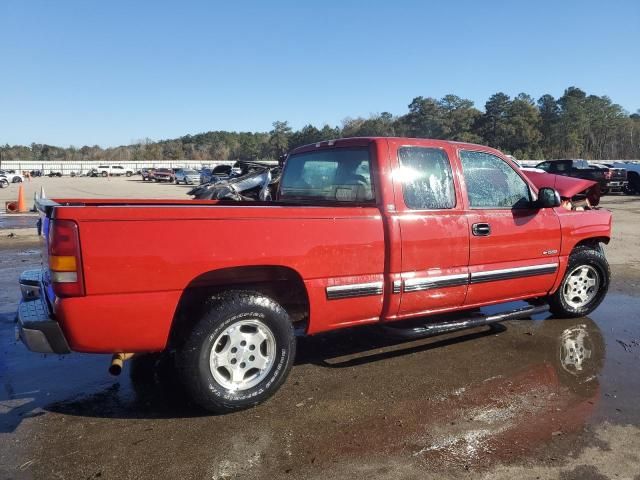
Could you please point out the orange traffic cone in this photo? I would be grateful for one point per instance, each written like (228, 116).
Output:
(21, 206)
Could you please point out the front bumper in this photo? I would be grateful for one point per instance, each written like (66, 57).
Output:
(36, 327)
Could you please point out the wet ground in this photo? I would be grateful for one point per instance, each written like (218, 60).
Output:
(15, 221)
(513, 401)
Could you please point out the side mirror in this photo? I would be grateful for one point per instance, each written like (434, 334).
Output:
(548, 198)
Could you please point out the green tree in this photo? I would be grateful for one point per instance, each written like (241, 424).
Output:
(549, 116)
(458, 116)
(523, 118)
(279, 138)
(494, 125)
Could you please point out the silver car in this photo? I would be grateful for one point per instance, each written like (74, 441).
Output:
(188, 176)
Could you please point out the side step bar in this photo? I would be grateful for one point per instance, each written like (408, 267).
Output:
(473, 321)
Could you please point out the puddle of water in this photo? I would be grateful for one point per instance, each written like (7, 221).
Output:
(18, 221)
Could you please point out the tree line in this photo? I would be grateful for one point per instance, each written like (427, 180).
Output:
(575, 125)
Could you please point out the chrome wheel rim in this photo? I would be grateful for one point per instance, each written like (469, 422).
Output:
(581, 286)
(242, 355)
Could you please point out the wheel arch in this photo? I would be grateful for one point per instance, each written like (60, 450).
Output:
(282, 284)
(592, 242)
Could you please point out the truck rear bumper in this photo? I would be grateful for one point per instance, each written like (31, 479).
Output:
(36, 328)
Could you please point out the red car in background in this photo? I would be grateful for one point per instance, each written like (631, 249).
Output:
(164, 175)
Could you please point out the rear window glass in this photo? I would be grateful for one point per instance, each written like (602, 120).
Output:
(427, 181)
(339, 175)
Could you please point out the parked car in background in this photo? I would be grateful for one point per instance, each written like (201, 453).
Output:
(188, 176)
(12, 176)
(147, 174)
(114, 170)
(633, 175)
(163, 175)
(215, 174)
(616, 177)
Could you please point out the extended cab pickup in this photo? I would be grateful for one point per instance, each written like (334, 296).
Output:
(364, 231)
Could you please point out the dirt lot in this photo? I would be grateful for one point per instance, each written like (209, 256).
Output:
(490, 403)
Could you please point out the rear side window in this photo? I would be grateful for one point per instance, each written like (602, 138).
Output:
(339, 174)
(427, 181)
(492, 183)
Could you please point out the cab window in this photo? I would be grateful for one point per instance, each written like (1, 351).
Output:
(333, 175)
(427, 181)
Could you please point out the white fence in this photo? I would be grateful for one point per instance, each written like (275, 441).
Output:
(67, 167)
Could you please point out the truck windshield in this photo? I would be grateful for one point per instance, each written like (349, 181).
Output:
(334, 175)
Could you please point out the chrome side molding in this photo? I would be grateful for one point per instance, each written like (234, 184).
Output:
(337, 292)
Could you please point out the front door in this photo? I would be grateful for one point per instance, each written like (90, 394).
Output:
(514, 248)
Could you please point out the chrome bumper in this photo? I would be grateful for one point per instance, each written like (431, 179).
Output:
(35, 326)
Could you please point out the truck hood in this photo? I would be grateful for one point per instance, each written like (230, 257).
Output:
(567, 187)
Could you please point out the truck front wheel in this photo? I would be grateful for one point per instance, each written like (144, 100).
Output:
(584, 285)
(239, 353)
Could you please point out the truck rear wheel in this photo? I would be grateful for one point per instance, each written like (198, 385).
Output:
(239, 353)
(584, 285)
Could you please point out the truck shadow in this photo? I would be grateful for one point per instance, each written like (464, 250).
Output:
(150, 389)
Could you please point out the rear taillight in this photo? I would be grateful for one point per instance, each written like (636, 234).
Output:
(65, 265)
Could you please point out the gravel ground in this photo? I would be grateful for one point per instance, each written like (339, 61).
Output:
(487, 403)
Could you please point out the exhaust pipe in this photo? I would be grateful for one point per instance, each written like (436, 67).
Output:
(117, 362)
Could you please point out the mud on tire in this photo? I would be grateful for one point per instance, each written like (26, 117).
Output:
(239, 352)
(584, 285)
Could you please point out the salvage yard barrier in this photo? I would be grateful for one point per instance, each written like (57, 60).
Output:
(66, 167)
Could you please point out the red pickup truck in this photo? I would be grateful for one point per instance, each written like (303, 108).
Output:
(361, 231)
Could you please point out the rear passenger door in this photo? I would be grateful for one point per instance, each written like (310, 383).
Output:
(433, 228)
(514, 248)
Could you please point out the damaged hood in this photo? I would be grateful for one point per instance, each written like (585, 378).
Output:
(567, 187)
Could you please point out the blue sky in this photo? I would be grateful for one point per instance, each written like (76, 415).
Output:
(112, 72)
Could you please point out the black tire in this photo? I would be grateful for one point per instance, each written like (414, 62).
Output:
(17, 180)
(128, 174)
(221, 313)
(587, 256)
(4, 183)
(104, 174)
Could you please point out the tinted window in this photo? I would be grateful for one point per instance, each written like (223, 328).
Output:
(222, 170)
(543, 166)
(339, 174)
(426, 177)
(492, 183)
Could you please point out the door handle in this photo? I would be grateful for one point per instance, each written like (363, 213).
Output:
(481, 229)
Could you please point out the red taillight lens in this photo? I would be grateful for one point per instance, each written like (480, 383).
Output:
(65, 264)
